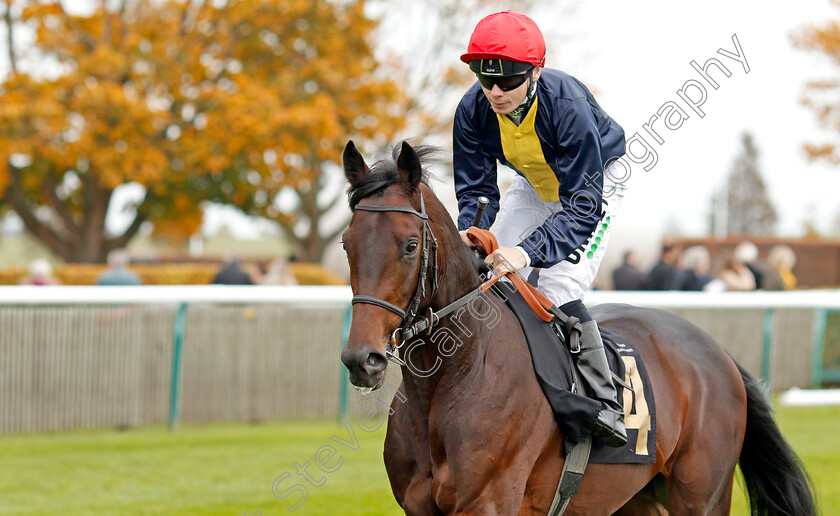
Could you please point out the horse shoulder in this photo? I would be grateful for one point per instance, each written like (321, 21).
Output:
(408, 461)
(496, 421)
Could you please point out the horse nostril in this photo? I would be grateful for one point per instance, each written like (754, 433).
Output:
(348, 358)
(374, 363)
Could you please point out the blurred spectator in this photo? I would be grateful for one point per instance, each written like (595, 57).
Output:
(663, 274)
(628, 276)
(40, 273)
(771, 280)
(278, 273)
(747, 253)
(780, 264)
(736, 276)
(254, 271)
(231, 273)
(694, 265)
(117, 273)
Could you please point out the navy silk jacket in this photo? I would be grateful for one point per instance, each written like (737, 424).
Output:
(576, 137)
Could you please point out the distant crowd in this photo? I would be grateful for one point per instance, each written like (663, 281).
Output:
(231, 272)
(690, 269)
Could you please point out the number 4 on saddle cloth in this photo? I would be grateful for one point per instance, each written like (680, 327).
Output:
(552, 362)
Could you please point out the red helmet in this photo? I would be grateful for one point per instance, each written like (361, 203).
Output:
(507, 36)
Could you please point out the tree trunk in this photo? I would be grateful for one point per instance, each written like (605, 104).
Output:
(313, 245)
(41, 231)
(92, 248)
(75, 241)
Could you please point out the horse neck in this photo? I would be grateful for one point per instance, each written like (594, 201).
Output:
(456, 273)
(457, 277)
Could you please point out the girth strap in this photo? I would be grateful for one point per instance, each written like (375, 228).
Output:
(572, 474)
(571, 477)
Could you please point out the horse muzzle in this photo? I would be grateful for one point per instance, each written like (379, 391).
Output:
(366, 366)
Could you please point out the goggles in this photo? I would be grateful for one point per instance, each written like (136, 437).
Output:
(505, 83)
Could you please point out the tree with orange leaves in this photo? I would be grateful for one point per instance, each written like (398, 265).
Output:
(823, 95)
(231, 102)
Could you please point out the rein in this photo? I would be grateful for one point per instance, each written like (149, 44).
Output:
(410, 327)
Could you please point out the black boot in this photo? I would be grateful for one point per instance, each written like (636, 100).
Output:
(595, 373)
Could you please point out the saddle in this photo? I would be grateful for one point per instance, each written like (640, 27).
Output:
(553, 339)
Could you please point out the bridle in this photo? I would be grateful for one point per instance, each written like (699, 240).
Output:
(428, 269)
(410, 327)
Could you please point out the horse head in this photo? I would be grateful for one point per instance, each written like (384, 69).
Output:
(389, 248)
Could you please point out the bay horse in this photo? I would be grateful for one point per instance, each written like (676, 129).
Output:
(474, 433)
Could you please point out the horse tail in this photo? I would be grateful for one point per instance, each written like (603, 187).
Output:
(776, 480)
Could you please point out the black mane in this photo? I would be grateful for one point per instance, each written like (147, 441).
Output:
(384, 173)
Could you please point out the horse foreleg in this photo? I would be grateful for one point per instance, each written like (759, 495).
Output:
(408, 463)
(499, 500)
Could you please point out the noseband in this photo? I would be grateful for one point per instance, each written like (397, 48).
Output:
(408, 328)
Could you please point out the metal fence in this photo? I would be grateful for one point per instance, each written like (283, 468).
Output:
(91, 357)
(86, 357)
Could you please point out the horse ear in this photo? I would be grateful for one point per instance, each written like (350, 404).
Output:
(354, 165)
(409, 166)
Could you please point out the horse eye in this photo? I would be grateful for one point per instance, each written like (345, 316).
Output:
(411, 247)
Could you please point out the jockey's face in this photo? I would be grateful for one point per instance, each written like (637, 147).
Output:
(503, 102)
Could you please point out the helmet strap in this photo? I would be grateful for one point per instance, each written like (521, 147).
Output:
(517, 114)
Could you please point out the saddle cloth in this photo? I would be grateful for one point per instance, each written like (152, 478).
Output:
(552, 362)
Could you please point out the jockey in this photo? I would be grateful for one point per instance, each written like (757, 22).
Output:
(558, 212)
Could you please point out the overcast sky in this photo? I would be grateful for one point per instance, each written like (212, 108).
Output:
(641, 57)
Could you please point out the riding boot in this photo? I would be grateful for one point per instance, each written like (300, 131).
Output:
(595, 374)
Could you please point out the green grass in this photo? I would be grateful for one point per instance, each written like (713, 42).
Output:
(814, 433)
(215, 469)
(229, 469)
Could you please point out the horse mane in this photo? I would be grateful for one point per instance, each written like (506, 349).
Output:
(384, 173)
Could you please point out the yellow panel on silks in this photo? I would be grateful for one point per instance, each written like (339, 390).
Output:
(522, 149)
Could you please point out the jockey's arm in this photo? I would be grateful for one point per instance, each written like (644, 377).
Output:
(474, 171)
(580, 173)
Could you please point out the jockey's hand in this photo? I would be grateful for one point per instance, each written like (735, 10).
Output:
(506, 259)
(467, 240)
